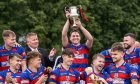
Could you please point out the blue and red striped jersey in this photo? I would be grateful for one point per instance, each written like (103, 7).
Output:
(63, 76)
(108, 58)
(30, 77)
(15, 76)
(80, 61)
(4, 56)
(122, 74)
(133, 59)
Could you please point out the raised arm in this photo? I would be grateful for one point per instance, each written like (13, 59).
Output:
(88, 36)
(65, 41)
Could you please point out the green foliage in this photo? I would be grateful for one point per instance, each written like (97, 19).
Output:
(109, 20)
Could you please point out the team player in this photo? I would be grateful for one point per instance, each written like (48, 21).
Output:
(9, 47)
(132, 54)
(80, 51)
(65, 74)
(35, 72)
(12, 75)
(96, 73)
(121, 72)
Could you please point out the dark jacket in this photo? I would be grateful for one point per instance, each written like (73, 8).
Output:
(45, 59)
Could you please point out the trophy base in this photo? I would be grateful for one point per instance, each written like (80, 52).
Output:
(74, 27)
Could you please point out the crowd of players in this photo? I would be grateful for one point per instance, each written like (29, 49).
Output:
(120, 64)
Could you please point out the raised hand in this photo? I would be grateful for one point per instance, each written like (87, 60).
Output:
(78, 22)
(47, 70)
(42, 79)
(52, 52)
(16, 44)
(67, 14)
(9, 78)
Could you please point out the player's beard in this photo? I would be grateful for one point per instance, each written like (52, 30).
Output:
(127, 47)
(115, 60)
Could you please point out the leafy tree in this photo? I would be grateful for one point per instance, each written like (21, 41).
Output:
(109, 20)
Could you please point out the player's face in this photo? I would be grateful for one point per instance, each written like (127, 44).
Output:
(36, 62)
(33, 41)
(67, 60)
(128, 42)
(99, 63)
(10, 41)
(15, 63)
(75, 38)
(117, 55)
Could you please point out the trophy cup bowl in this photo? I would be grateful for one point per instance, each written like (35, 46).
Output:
(74, 15)
(88, 70)
(73, 11)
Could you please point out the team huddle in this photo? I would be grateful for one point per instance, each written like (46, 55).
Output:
(120, 64)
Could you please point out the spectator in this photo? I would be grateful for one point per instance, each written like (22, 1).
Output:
(33, 45)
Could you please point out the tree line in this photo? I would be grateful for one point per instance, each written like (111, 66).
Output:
(109, 20)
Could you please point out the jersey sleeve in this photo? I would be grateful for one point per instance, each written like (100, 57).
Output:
(107, 69)
(78, 77)
(84, 75)
(21, 51)
(107, 77)
(103, 52)
(133, 73)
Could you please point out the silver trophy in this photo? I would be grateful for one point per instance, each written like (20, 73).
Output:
(73, 14)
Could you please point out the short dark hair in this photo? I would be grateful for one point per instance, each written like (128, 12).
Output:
(67, 51)
(96, 56)
(73, 30)
(117, 47)
(12, 55)
(33, 54)
(131, 35)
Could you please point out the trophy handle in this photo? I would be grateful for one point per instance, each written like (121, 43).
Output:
(67, 9)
